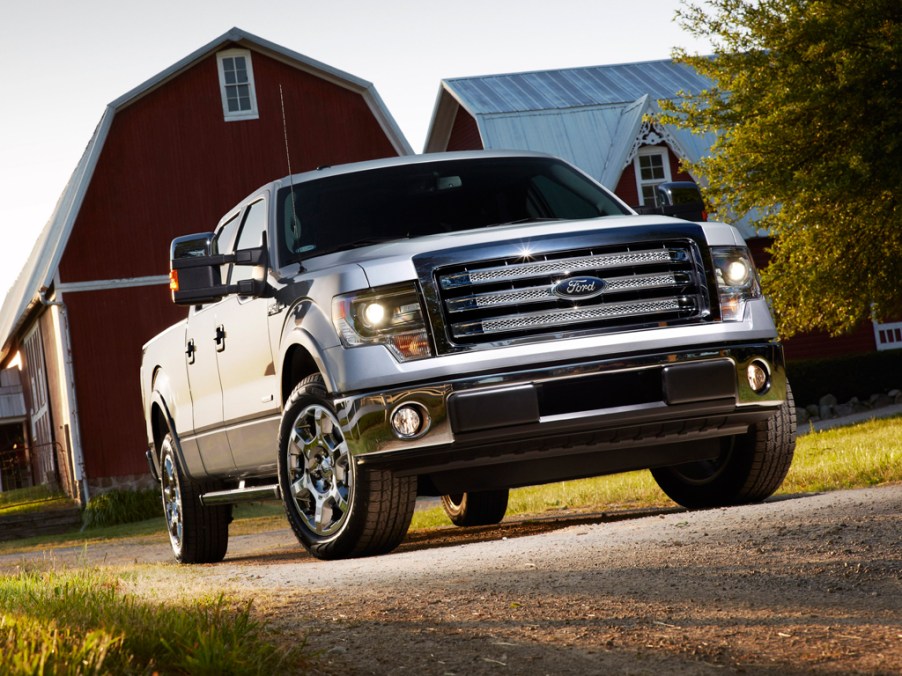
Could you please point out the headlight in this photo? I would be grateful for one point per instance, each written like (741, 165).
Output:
(737, 280)
(390, 316)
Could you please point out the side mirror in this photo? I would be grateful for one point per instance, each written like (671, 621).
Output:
(195, 274)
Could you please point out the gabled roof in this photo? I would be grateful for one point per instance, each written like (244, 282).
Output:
(39, 270)
(572, 112)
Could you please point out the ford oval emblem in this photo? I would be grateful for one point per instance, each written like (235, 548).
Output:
(578, 288)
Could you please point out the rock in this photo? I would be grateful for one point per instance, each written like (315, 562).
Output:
(813, 410)
(827, 400)
(802, 416)
(826, 412)
(861, 407)
(843, 410)
(883, 400)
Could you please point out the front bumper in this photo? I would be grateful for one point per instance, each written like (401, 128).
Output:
(662, 400)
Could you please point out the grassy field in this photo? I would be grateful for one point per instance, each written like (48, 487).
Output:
(82, 622)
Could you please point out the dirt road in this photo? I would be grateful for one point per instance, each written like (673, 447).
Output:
(809, 584)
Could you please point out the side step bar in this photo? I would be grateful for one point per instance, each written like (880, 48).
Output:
(241, 494)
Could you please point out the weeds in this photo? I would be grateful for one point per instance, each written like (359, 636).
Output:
(122, 506)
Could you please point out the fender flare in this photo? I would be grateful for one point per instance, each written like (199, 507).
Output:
(305, 325)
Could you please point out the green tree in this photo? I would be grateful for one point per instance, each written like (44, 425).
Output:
(807, 104)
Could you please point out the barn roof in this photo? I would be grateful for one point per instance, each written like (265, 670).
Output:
(39, 271)
(571, 112)
(576, 87)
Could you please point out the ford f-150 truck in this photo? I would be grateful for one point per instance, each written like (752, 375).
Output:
(454, 325)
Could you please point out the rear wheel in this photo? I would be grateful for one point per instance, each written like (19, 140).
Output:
(482, 508)
(197, 534)
(750, 466)
(336, 508)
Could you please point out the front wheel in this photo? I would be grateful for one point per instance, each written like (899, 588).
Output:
(749, 469)
(197, 534)
(483, 508)
(336, 508)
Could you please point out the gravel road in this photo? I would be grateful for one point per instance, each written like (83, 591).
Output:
(805, 584)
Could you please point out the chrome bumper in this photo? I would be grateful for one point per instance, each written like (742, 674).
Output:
(648, 399)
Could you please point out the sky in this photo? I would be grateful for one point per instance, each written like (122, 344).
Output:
(64, 61)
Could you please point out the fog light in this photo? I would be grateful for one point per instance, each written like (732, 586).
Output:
(409, 421)
(759, 379)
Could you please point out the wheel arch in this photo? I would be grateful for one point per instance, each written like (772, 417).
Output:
(161, 423)
(301, 359)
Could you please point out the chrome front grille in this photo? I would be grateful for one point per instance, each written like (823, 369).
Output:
(514, 297)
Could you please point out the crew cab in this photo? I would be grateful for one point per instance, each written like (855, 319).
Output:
(454, 325)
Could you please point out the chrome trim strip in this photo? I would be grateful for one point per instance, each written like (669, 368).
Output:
(538, 294)
(560, 265)
(572, 316)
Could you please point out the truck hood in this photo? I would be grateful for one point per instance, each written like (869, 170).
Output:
(392, 262)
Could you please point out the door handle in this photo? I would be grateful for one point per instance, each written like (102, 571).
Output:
(219, 338)
(190, 349)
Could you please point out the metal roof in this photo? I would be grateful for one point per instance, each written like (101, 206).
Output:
(575, 87)
(39, 270)
(590, 116)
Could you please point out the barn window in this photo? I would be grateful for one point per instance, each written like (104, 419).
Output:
(652, 168)
(236, 84)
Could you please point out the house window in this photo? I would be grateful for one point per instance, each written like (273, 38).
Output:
(236, 84)
(652, 169)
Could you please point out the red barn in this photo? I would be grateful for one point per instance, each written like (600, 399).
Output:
(168, 158)
(603, 120)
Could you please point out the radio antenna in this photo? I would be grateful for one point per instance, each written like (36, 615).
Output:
(295, 225)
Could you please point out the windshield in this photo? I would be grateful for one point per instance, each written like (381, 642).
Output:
(350, 210)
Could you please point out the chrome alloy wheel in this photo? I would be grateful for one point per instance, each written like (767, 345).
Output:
(172, 497)
(319, 470)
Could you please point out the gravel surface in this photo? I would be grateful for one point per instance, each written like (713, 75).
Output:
(798, 585)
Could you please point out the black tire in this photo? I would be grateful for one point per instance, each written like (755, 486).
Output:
(749, 469)
(483, 508)
(197, 534)
(336, 508)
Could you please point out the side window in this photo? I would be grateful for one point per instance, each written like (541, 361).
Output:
(251, 236)
(236, 84)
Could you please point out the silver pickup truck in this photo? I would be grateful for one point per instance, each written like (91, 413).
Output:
(454, 325)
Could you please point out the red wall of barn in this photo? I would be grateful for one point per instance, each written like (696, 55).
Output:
(464, 132)
(107, 329)
(171, 166)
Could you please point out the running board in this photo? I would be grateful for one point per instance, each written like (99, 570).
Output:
(241, 494)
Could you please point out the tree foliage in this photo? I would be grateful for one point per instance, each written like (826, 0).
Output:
(807, 104)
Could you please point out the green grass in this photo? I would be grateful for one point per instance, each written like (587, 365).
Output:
(34, 499)
(868, 454)
(81, 622)
(19, 496)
